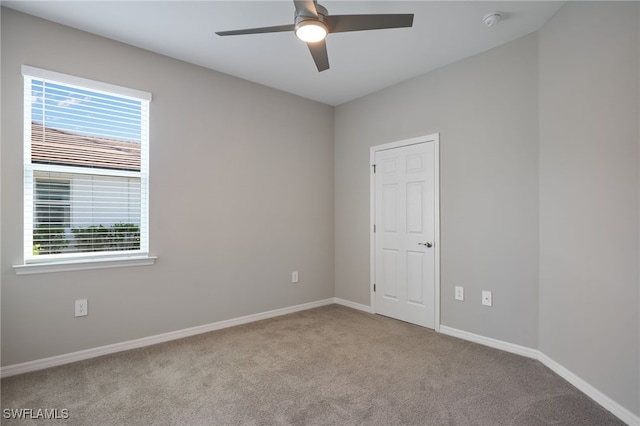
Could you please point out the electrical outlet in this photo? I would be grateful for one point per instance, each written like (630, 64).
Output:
(487, 298)
(294, 277)
(81, 308)
(459, 293)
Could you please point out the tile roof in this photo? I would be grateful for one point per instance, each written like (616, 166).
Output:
(55, 146)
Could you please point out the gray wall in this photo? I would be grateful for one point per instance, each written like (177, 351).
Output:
(589, 115)
(485, 109)
(237, 193)
(539, 195)
(539, 164)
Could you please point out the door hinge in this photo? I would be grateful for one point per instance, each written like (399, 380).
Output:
(374, 288)
(374, 168)
(374, 229)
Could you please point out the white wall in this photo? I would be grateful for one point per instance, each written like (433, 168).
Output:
(241, 194)
(589, 204)
(485, 109)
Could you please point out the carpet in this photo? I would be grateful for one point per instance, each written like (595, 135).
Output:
(326, 366)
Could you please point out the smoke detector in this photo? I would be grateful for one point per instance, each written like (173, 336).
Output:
(492, 19)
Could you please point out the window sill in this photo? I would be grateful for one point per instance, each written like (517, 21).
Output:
(81, 265)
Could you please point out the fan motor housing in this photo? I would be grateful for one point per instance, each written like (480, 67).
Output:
(322, 12)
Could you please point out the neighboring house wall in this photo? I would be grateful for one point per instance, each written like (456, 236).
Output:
(90, 200)
(95, 206)
(589, 206)
(241, 194)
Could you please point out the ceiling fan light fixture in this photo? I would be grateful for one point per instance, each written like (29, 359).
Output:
(311, 31)
(312, 23)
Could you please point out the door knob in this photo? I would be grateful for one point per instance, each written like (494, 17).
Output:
(428, 244)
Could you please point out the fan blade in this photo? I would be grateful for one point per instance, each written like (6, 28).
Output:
(344, 23)
(276, 29)
(319, 52)
(306, 8)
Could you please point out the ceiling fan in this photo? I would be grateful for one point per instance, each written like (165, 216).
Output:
(313, 23)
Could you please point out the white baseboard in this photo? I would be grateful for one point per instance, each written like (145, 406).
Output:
(488, 341)
(606, 402)
(353, 305)
(54, 361)
(619, 411)
(40, 364)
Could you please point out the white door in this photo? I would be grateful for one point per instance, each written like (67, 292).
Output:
(405, 233)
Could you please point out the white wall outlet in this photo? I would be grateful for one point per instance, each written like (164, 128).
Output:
(294, 277)
(487, 298)
(459, 293)
(82, 308)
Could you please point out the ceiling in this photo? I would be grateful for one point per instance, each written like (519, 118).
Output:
(361, 62)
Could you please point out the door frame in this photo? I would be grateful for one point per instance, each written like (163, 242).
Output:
(432, 138)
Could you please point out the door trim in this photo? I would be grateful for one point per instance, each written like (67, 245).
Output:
(435, 139)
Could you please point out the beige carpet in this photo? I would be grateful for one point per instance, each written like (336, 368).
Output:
(326, 366)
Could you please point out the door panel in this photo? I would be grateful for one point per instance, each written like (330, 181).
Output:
(390, 273)
(405, 222)
(389, 202)
(415, 273)
(414, 207)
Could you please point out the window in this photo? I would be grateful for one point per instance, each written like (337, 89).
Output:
(85, 169)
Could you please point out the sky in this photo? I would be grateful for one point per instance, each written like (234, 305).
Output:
(85, 112)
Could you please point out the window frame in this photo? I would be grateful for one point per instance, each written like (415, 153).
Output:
(90, 260)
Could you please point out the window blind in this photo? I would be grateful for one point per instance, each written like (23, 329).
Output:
(86, 168)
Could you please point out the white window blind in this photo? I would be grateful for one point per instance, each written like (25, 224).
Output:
(86, 172)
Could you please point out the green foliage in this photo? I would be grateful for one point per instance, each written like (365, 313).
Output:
(91, 238)
(121, 236)
(49, 240)
(126, 236)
